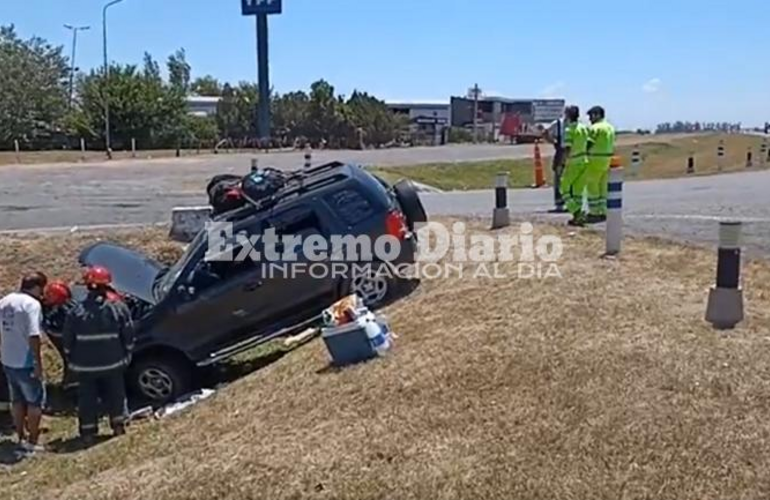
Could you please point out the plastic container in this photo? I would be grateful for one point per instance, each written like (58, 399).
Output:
(378, 336)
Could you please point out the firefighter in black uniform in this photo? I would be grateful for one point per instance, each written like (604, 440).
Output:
(98, 339)
(57, 305)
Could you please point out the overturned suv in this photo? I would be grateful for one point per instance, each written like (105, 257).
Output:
(204, 309)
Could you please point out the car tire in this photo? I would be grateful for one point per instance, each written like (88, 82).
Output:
(375, 288)
(159, 379)
(409, 199)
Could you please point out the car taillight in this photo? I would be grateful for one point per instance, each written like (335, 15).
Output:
(395, 224)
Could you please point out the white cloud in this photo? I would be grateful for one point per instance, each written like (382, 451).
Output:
(652, 86)
(554, 90)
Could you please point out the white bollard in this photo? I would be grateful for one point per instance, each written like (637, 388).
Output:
(308, 158)
(82, 149)
(614, 230)
(16, 147)
(133, 148)
(636, 161)
(725, 302)
(501, 216)
(254, 164)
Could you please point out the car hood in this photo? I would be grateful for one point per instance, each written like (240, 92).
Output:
(132, 272)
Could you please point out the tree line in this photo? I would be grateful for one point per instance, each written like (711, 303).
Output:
(693, 127)
(152, 110)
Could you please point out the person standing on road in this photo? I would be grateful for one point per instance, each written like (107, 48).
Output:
(573, 181)
(21, 328)
(98, 338)
(556, 135)
(601, 148)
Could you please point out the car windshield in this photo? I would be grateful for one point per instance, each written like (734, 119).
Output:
(166, 280)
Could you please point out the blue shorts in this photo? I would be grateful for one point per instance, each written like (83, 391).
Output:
(24, 387)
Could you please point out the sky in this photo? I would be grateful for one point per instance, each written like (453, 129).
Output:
(645, 61)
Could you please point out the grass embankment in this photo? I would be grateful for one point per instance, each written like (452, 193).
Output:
(604, 384)
(665, 158)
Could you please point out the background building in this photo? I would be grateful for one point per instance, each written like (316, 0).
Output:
(427, 121)
(493, 110)
(202, 106)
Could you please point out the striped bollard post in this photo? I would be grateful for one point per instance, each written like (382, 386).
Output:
(721, 155)
(767, 158)
(254, 164)
(749, 158)
(308, 158)
(501, 217)
(691, 163)
(763, 152)
(636, 161)
(614, 230)
(725, 301)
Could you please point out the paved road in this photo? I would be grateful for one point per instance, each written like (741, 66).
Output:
(129, 191)
(684, 209)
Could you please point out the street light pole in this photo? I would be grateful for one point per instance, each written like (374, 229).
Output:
(74, 30)
(107, 142)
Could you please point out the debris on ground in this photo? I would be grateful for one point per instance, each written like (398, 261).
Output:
(184, 402)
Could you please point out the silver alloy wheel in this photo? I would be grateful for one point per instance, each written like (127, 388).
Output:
(371, 286)
(156, 384)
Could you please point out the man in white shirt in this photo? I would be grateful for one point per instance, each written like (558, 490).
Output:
(21, 320)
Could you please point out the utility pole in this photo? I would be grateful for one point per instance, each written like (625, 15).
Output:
(73, 68)
(107, 141)
(475, 93)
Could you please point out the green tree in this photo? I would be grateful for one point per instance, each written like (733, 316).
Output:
(179, 71)
(236, 111)
(33, 89)
(207, 86)
(142, 106)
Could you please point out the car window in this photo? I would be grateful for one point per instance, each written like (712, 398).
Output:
(350, 205)
(208, 273)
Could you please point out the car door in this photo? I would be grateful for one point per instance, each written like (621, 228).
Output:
(302, 284)
(218, 302)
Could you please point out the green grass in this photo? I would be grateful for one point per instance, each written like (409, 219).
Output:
(662, 159)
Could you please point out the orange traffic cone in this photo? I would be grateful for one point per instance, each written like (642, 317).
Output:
(539, 172)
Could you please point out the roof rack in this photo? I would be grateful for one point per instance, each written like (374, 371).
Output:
(297, 183)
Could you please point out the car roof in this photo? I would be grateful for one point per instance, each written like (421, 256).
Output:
(300, 184)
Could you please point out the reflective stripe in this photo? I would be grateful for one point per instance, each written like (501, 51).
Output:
(614, 204)
(99, 336)
(103, 368)
(601, 155)
(613, 187)
(88, 427)
(578, 155)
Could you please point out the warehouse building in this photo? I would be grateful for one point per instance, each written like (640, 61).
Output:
(428, 121)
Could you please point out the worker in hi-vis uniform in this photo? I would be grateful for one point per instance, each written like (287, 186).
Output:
(601, 148)
(573, 180)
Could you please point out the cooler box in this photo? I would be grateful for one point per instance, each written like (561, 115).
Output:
(348, 344)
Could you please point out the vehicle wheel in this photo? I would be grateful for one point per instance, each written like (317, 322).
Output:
(409, 199)
(373, 287)
(160, 379)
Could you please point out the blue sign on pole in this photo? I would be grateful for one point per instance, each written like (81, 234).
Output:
(256, 7)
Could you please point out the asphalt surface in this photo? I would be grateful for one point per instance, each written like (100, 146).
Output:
(685, 209)
(134, 192)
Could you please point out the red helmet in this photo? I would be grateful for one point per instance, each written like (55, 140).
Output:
(56, 293)
(97, 276)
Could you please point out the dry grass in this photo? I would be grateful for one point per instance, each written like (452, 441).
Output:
(604, 384)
